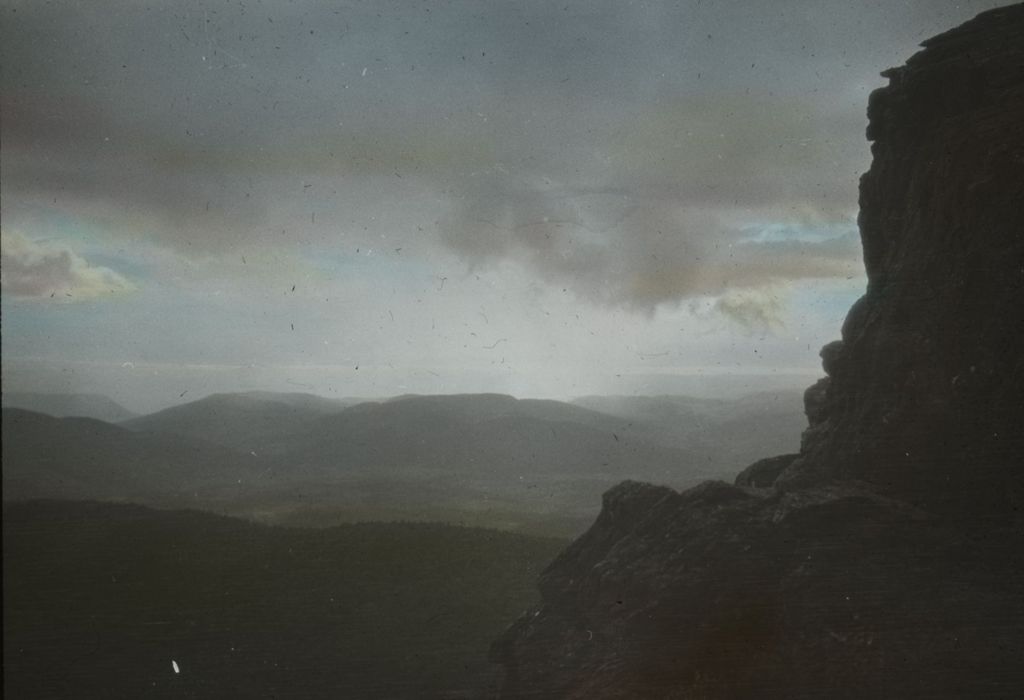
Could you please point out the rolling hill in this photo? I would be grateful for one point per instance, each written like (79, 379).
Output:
(478, 459)
(731, 432)
(47, 457)
(483, 435)
(241, 421)
(94, 406)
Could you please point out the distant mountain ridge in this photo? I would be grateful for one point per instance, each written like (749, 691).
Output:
(484, 434)
(62, 405)
(483, 459)
(733, 432)
(241, 421)
(295, 458)
(47, 457)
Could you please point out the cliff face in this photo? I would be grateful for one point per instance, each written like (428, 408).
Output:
(887, 558)
(923, 398)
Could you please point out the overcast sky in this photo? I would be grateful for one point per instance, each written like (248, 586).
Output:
(374, 198)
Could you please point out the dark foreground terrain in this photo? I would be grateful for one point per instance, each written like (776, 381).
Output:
(100, 599)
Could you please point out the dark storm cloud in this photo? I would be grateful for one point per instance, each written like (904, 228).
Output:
(622, 150)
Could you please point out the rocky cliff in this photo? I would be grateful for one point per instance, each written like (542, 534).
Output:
(923, 395)
(887, 558)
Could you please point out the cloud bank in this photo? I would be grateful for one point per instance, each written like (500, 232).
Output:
(627, 171)
(44, 270)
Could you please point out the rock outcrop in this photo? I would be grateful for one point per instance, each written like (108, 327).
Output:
(887, 558)
(923, 396)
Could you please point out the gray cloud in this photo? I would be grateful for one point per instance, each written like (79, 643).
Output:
(622, 249)
(617, 150)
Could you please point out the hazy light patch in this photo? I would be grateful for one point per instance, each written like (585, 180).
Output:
(826, 302)
(753, 308)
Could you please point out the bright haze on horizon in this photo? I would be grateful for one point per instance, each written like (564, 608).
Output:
(369, 199)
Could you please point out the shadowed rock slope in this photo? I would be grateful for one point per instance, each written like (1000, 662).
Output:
(886, 559)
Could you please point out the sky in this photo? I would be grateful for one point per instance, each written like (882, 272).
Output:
(549, 199)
